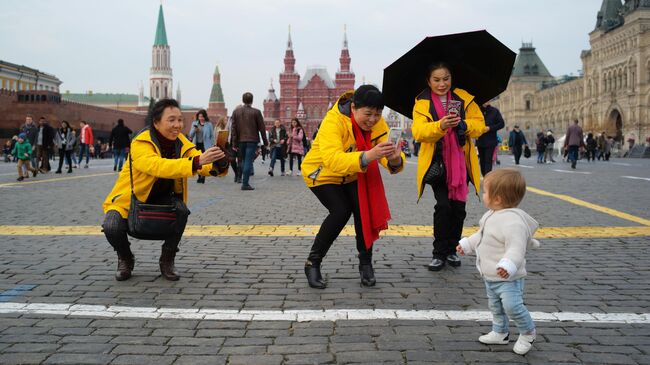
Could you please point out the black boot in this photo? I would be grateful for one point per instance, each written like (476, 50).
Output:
(367, 275)
(166, 263)
(125, 264)
(314, 277)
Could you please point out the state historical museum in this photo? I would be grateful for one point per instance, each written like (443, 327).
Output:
(310, 97)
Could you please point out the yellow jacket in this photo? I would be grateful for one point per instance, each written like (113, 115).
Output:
(148, 166)
(427, 131)
(333, 157)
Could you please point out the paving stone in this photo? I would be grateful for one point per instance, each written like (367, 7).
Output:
(32, 347)
(78, 359)
(369, 356)
(139, 349)
(143, 360)
(87, 348)
(22, 358)
(201, 360)
(600, 358)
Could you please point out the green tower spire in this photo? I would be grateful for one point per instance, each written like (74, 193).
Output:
(161, 34)
(216, 96)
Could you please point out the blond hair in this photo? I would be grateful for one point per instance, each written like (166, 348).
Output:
(506, 184)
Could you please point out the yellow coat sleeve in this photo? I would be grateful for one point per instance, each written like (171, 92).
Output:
(475, 121)
(423, 129)
(147, 160)
(332, 149)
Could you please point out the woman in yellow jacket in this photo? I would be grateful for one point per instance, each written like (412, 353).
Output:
(341, 169)
(445, 120)
(161, 159)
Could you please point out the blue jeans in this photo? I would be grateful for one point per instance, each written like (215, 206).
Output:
(118, 156)
(573, 153)
(247, 150)
(84, 147)
(276, 152)
(540, 155)
(506, 300)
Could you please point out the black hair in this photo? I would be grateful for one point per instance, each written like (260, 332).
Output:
(155, 114)
(67, 125)
(247, 98)
(436, 66)
(203, 113)
(368, 96)
(120, 121)
(298, 122)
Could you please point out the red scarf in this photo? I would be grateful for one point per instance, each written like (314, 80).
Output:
(453, 156)
(372, 198)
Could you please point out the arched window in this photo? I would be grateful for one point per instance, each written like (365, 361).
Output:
(288, 112)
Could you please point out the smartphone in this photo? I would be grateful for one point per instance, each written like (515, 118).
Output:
(394, 135)
(453, 107)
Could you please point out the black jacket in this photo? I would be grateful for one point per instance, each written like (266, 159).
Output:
(494, 120)
(120, 137)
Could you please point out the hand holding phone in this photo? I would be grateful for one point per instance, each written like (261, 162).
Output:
(394, 135)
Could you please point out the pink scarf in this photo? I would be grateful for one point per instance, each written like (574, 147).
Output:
(453, 156)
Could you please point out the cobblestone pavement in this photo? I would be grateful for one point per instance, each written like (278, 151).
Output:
(588, 277)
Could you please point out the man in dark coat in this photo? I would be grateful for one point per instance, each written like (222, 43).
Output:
(44, 144)
(487, 142)
(119, 140)
(573, 141)
(247, 127)
(516, 142)
(31, 131)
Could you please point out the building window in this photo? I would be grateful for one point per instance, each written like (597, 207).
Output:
(288, 112)
(527, 104)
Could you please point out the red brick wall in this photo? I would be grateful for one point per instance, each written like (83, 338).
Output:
(101, 120)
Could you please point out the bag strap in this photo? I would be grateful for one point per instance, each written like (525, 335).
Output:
(131, 171)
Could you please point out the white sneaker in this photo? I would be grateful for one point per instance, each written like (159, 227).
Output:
(494, 338)
(298, 173)
(289, 173)
(523, 344)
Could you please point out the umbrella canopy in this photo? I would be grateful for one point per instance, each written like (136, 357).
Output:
(479, 63)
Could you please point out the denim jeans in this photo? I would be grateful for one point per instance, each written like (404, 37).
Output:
(540, 155)
(573, 153)
(118, 156)
(247, 150)
(276, 152)
(84, 147)
(506, 300)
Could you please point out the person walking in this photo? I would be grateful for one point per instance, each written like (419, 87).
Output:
(572, 142)
(161, 160)
(64, 142)
(31, 132)
(278, 142)
(487, 142)
(202, 135)
(448, 160)
(44, 143)
(119, 141)
(85, 141)
(540, 145)
(516, 142)
(505, 233)
(23, 151)
(342, 170)
(247, 127)
(592, 146)
(550, 149)
(296, 146)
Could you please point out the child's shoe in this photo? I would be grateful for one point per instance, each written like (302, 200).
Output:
(495, 338)
(523, 344)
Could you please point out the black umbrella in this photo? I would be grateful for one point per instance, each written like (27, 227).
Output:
(479, 63)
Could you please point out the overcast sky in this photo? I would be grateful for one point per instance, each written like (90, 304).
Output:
(105, 46)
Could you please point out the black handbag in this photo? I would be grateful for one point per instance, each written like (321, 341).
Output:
(155, 221)
(527, 152)
(436, 173)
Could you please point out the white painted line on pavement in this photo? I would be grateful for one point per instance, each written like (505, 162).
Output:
(332, 315)
(574, 172)
(637, 178)
(524, 166)
(621, 163)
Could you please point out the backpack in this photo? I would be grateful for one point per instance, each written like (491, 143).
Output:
(305, 143)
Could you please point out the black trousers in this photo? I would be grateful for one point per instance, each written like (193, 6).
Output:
(516, 150)
(200, 147)
(68, 158)
(448, 218)
(341, 201)
(485, 155)
(115, 229)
